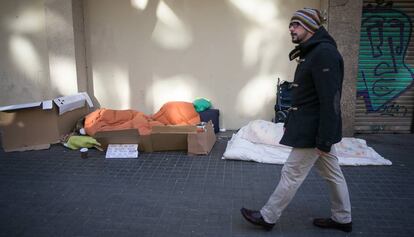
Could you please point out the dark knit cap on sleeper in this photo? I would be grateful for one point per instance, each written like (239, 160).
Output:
(309, 18)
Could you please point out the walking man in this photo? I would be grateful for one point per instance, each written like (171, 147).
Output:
(313, 125)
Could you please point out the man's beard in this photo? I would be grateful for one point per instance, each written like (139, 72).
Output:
(295, 39)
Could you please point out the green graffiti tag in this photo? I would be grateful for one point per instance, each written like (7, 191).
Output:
(383, 74)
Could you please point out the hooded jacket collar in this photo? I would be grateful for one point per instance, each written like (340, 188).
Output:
(320, 36)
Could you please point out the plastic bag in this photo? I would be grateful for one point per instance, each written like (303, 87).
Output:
(201, 104)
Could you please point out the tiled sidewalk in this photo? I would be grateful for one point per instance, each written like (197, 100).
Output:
(56, 193)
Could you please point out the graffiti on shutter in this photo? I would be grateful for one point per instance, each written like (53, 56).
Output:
(385, 91)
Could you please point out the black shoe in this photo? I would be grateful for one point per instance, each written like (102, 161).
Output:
(328, 223)
(255, 218)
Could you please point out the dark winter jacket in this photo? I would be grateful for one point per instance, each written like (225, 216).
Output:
(314, 119)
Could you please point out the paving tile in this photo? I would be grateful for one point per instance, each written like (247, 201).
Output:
(56, 193)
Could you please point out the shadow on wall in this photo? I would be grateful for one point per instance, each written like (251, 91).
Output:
(23, 65)
(34, 65)
(145, 53)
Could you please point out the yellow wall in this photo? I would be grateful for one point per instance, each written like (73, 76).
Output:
(38, 50)
(24, 66)
(142, 53)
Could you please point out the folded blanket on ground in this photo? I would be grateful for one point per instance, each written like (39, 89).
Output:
(259, 141)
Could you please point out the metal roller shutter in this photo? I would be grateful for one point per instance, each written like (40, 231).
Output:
(385, 88)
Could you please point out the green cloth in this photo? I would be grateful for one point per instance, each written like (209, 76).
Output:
(77, 142)
(201, 104)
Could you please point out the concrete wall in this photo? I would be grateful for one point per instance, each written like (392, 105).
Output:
(61, 46)
(344, 24)
(38, 45)
(24, 65)
(142, 54)
(139, 54)
(80, 50)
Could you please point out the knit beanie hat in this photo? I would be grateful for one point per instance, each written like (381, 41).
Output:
(309, 18)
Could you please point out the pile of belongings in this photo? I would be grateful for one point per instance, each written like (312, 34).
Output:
(171, 113)
(259, 141)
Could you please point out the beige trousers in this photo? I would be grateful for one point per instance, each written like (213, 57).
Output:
(294, 172)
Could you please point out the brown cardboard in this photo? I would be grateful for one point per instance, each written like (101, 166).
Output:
(159, 141)
(163, 138)
(22, 129)
(201, 143)
(171, 137)
(175, 129)
(37, 125)
(145, 143)
(169, 141)
(126, 136)
(33, 148)
(67, 121)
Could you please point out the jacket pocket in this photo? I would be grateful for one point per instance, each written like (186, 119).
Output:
(308, 126)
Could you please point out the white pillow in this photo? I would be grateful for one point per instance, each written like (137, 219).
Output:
(263, 132)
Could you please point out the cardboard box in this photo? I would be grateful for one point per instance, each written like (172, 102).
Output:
(127, 136)
(171, 138)
(201, 143)
(35, 126)
(163, 138)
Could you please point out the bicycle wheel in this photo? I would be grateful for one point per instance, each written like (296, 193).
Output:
(280, 116)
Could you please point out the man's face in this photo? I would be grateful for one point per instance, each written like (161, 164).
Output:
(298, 33)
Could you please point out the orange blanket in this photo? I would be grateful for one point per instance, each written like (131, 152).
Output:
(172, 113)
(177, 113)
(108, 120)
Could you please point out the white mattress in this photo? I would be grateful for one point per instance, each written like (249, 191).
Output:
(259, 141)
